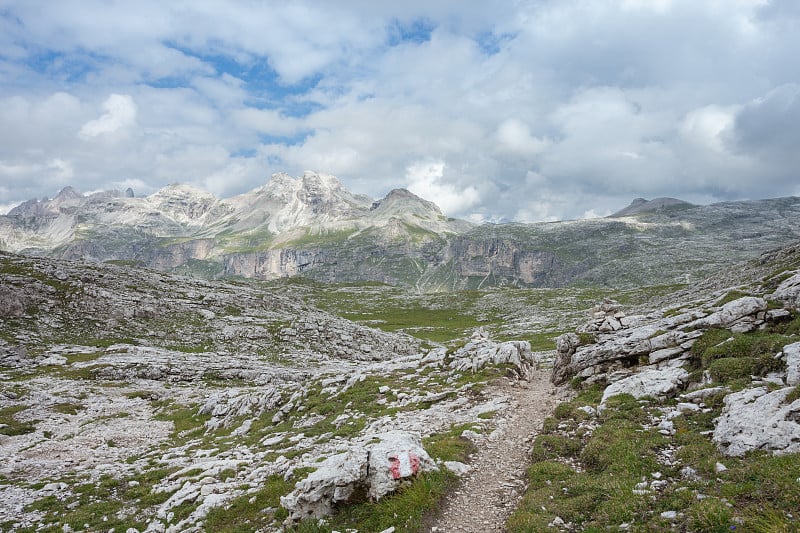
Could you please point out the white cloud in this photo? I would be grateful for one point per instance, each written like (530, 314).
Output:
(514, 136)
(425, 179)
(707, 126)
(120, 113)
(540, 110)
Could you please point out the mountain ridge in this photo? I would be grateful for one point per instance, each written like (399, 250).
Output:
(313, 226)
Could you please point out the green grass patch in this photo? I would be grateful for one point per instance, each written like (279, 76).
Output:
(68, 408)
(449, 445)
(10, 425)
(730, 297)
(252, 511)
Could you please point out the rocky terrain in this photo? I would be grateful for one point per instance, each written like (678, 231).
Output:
(134, 400)
(311, 226)
(138, 400)
(687, 417)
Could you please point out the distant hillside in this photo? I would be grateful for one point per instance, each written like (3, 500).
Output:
(640, 205)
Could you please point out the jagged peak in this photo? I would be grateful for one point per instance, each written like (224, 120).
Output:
(282, 182)
(68, 193)
(405, 199)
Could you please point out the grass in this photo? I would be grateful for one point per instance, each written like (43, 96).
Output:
(252, 510)
(758, 493)
(104, 504)
(732, 358)
(11, 426)
(186, 421)
(730, 297)
(68, 408)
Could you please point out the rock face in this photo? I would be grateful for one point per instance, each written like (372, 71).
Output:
(613, 342)
(11, 303)
(789, 291)
(756, 419)
(374, 470)
(791, 353)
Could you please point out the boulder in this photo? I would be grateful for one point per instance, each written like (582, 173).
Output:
(756, 419)
(334, 481)
(651, 382)
(372, 471)
(481, 352)
(789, 291)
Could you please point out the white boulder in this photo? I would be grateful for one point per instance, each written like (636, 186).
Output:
(789, 291)
(375, 469)
(482, 352)
(651, 382)
(756, 419)
(738, 312)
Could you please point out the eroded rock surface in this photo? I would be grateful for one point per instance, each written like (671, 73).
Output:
(756, 419)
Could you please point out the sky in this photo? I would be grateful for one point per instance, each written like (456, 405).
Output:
(497, 111)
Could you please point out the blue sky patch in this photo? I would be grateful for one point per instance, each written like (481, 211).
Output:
(417, 31)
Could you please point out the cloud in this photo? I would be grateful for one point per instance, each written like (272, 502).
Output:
(514, 137)
(424, 178)
(120, 113)
(519, 110)
(769, 125)
(707, 127)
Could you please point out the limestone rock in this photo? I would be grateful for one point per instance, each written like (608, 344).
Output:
(737, 312)
(756, 419)
(374, 469)
(481, 352)
(457, 467)
(789, 291)
(334, 481)
(11, 303)
(655, 383)
(791, 354)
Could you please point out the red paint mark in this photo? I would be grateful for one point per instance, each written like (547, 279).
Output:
(394, 467)
(403, 465)
(414, 460)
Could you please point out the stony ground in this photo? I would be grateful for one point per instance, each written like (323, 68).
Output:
(490, 492)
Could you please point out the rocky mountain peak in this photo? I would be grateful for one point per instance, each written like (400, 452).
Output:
(67, 193)
(403, 201)
(182, 202)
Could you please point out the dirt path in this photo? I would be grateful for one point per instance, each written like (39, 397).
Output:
(490, 492)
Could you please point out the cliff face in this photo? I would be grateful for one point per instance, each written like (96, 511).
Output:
(312, 226)
(505, 260)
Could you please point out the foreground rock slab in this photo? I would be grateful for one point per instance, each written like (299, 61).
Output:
(756, 419)
(374, 469)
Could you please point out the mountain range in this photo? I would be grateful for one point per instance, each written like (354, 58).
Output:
(314, 227)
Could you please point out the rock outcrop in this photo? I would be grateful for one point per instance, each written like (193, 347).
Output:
(313, 226)
(651, 356)
(756, 419)
(481, 352)
(370, 471)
